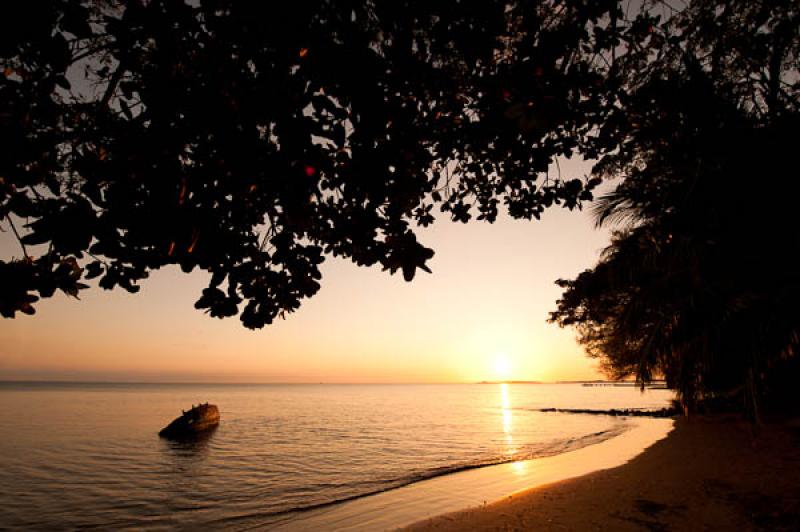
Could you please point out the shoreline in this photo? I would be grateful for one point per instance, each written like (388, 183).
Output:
(406, 505)
(708, 474)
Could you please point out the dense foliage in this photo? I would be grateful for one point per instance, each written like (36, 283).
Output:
(251, 139)
(700, 284)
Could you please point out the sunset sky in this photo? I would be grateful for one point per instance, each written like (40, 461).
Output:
(481, 315)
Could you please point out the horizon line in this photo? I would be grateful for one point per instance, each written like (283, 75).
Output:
(301, 383)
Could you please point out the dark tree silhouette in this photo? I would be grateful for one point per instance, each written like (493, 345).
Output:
(700, 284)
(251, 139)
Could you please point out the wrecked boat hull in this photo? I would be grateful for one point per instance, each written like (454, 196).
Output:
(199, 419)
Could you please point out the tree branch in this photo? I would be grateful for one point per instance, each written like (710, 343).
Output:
(16, 234)
(112, 84)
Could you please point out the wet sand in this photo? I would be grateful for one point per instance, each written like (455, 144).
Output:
(708, 474)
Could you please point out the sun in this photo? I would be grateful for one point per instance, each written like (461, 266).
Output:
(502, 366)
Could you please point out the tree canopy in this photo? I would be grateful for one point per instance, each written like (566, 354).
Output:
(252, 139)
(699, 284)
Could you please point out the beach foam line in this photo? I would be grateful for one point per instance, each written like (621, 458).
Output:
(403, 506)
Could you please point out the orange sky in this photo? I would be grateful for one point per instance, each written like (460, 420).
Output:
(479, 316)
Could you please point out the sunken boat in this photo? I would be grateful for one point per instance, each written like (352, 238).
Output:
(198, 420)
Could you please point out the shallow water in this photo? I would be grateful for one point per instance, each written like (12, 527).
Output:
(88, 455)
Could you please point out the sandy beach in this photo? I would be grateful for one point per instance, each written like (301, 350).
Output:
(708, 474)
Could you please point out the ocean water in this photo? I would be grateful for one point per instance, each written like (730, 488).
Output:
(88, 455)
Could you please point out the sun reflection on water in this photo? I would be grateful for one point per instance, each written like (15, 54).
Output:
(505, 405)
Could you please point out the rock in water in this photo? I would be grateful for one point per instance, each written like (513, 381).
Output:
(199, 419)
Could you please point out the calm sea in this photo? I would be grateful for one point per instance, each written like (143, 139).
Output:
(88, 455)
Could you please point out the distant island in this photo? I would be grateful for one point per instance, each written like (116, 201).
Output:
(513, 382)
(651, 384)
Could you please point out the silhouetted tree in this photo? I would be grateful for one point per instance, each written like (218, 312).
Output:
(250, 139)
(700, 285)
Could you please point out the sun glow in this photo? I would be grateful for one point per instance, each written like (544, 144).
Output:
(502, 366)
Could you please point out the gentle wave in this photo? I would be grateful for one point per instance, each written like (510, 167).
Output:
(542, 451)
